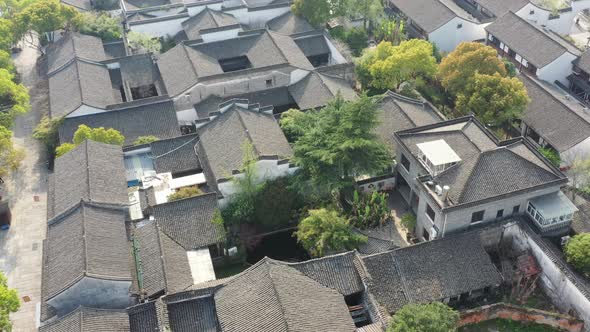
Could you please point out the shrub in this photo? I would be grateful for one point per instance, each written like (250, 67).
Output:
(185, 192)
(408, 220)
(551, 155)
(145, 140)
(102, 25)
(369, 210)
(577, 252)
(431, 317)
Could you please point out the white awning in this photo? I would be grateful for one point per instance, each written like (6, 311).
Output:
(438, 152)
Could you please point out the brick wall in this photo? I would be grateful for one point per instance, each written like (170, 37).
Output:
(516, 313)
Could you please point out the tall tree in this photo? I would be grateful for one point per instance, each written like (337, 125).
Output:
(8, 303)
(14, 98)
(340, 144)
(431, 317)
(45, 17)
(369, 10)
(496, 100)
(318, 12)
(325, 231)
(387, 66)
(457, 70)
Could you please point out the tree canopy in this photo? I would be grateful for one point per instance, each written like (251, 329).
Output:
(317, 12)
(325, 231)
(9, 302)
(431, 317)
(109, 136)
(45, 17)
(101, 25)
(141, 42)
(7, 37)
(185, 192)
(14, 98)
(577, 252)
(145, 140)
(457, 70)
(496, 100)
(387, 66)
(10, 157)
(339, 143)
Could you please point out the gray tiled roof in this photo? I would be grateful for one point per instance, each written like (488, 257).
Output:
(197, 314)
(501, 7)
(79, 83)
(338, 272)
(144, 317)
(536, 44)
(482, 172)
(313, 45)
(222, 139)
(92, 172)
(164, 263)
(561, 125)
(207, 19)
(415, 274)
(90, 320)
(317, 90)
(154, 116)
(401, 113)
(189, 62)
(188, 221)
(427, 14)
(281, 299)
(583, 62)
(289, 24)
(175, 155)
(74, 45)
(88, 241)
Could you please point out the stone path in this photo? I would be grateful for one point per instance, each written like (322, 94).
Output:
(21, 246)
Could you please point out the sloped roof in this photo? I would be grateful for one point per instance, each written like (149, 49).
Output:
(207, 19)
(222, 139)
(289, 24)
(90, 320)
(78, 83)
(88, 240)
(197, 314)
(501, 7)
(74, 45)
(487, 168)
(317, 90)
(415, 274)
(400, 113)
(187, 63)
(147, 316)
(583, 62)
(561, 123)
(189, 221)
(282, 299)
(427, 14)
(151, 116)
(536, 44)
(313, 45)
(176, 154)
(91, 172)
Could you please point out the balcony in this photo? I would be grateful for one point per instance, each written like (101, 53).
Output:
(551, 213)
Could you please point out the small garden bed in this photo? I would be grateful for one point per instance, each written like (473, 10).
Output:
(504, 325)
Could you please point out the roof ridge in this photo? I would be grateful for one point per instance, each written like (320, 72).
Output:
(475, 163)
(184, 46)
(87, 166)
(404, 282)
(84, 242)
(537, 28)
(162, 260)
(530, 162)
(247, 132)
(272, 38)
(274, 287)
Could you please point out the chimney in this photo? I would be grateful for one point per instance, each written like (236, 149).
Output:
(445, 192)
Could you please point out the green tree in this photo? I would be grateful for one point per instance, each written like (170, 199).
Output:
(325, 231)
(356, 39)
(185, 192)
(109, 136)
(340, 144)
(391, 30)
(369, 210)
(457, 70)
(369, 10)
(408, 220)
(577, 252)
(47, 131)
(45, 17)
(318, 12)
(552, 155)
(294, 123)
(101, 25)
(140, 42)
(10, 157)
(145, 140)
(14, 98)
(431, 317)
(387, 66)
(7, 37)
(9, 302)
(6, 62)
(496, 100)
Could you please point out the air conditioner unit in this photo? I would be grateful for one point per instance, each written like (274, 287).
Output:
(433, 233)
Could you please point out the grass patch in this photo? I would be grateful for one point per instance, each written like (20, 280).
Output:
(504, 325)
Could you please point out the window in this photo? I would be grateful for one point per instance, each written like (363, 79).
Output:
(405, 163)
(233, 64)
(518, 58)
(430, 213)
(269, 83)
(477, 216)
(426, 235)
(491, 37)
(515, 209)
(459, 26)
(500, 213)
(532, 12)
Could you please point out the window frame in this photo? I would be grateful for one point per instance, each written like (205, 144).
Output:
(403, 160)
(428, 207)
(483, 212)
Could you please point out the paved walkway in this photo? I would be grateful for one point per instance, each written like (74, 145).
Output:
(21, 246)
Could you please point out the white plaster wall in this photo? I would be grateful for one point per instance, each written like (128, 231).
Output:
(84, 110)
(93, 293)
(194, 10)
(580, 151)
(557, 70)
(257, 18)
(562, 291)
(388, 184)
(540, 16)
(336, 57)
(160, 28)
(220, 35)
(448, 36)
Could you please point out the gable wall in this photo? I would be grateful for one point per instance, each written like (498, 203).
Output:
(448, 36)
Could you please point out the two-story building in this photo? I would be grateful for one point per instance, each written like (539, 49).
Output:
(534, 49)
(456, 174)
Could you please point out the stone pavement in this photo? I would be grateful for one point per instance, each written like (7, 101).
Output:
(21, 246)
